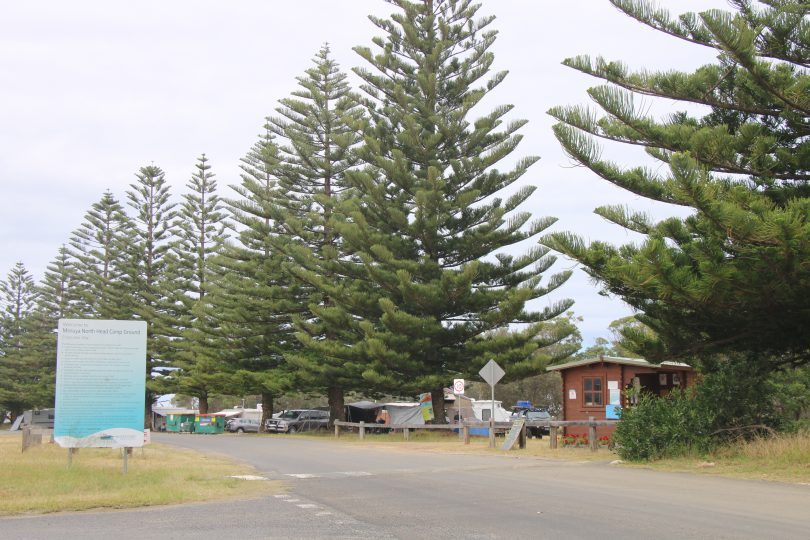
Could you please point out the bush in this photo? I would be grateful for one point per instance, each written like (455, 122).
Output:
(661, 427)
(734, 401)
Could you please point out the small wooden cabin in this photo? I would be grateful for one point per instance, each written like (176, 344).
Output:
(595, 387)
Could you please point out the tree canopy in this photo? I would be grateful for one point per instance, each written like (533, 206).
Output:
(433, 226)
(732, 276)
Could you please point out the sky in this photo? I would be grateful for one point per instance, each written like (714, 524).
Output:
(90, 91)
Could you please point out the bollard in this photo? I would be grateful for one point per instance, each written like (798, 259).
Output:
(26, 438)
(466, 430)
(406, 432)
(337, 431)
(522, 437)
(362, 430)
(592, 434)
(552, 437)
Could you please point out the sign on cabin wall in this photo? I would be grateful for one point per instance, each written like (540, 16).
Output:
(612, 412)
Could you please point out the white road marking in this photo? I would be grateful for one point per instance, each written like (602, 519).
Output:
(247, 477)
(336, 474)
(306, 505)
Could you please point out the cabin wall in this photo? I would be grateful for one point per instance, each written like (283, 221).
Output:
(583, 399)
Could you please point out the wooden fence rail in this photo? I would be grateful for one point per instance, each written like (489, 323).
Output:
(499, 427)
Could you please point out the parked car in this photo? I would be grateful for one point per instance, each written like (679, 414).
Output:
(534, 415)
(296, 420)
(242, 425)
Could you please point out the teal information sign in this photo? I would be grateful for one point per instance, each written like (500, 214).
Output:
(100, 383)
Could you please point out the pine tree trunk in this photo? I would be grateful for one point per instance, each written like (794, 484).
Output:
(337, 410)
(147, 413)
(437, 396)
(203, 402)
(267, 409)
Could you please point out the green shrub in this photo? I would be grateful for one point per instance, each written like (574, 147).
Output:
(661, 427)
(734, 401)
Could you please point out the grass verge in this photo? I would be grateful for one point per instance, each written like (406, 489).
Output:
(38, 481)
(785, 458)
(436, 441)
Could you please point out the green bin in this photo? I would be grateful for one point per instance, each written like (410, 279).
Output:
(209, 423)
(179, 423)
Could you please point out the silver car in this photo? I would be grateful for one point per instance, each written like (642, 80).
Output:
(242, 425)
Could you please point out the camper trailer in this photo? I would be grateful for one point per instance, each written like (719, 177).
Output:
(483, 410)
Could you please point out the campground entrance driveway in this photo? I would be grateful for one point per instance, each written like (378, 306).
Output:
(347, 490)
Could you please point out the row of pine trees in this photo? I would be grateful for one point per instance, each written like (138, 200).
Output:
(375, 242)
(372, 244)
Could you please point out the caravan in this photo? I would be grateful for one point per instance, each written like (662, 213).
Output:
(482, 408)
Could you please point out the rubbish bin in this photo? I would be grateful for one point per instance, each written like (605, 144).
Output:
(209, 423)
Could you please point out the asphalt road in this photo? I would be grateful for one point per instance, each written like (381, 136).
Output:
(338, 490)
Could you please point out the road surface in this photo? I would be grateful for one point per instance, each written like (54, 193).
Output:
(344, 490)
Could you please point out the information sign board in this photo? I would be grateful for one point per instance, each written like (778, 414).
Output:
(100, 383)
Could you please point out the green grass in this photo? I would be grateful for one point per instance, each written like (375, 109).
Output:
(442, 441)
(784, 458)
(38, 480)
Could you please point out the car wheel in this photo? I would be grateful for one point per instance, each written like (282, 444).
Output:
(293, 429)
(240, 430)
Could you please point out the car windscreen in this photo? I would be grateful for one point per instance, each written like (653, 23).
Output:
(537, 415)
(290, 415)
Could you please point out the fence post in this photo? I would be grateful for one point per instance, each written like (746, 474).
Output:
(466, 430)
(552, 437)
(406, 432)
(522, 437)
(337, 431)
(592, 434)
(362, 430)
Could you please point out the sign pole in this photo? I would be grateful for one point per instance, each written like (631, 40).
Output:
(492, 373)
(458, 390)
(126, 457)
(492, 419)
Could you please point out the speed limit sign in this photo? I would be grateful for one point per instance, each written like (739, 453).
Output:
(458, 387)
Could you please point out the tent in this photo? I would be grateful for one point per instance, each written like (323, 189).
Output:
(404, 413)
(398, 413)
(363, 411)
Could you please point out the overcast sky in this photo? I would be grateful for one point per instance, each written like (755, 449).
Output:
(92, 90)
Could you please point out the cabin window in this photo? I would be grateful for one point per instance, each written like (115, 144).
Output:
(486, 414)
(592, 391)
